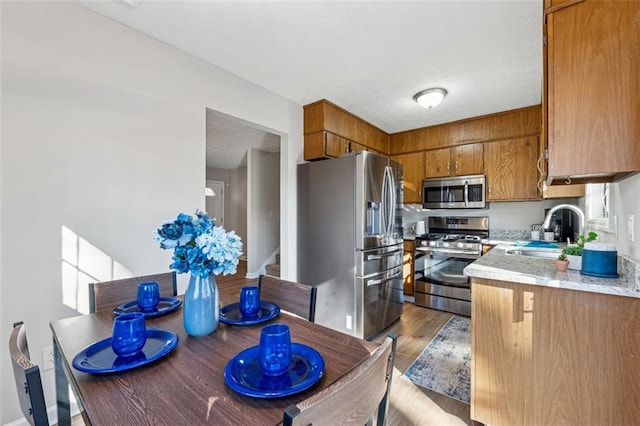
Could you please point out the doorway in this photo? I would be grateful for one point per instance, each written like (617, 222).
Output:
(252, 188)
(214, 201)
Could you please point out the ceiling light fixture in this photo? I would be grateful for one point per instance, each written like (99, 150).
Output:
(430, 98)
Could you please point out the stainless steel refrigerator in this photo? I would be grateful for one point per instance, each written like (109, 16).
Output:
(350, 240)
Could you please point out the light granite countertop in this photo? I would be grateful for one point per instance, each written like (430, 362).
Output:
(497, 265)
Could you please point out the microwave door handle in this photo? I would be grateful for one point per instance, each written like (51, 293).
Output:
(466, 192)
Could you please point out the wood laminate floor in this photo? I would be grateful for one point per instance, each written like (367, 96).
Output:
(409, 404)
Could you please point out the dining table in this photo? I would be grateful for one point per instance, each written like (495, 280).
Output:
(187, 386)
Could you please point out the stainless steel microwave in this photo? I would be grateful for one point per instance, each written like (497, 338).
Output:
(459, 192)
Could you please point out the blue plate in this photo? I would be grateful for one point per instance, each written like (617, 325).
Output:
(165, 305)
(231, 314)
(99, 357)
(244, 375)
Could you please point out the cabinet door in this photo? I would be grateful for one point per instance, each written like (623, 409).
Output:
(335, 145)
(438, 162)
(413, 173)
(593, 64)
(407, 267)
(468, 159)
(510, 168)
(356, 147)
(320, 145)
(501, 371)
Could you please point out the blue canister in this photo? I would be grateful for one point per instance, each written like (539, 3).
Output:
(598, 263)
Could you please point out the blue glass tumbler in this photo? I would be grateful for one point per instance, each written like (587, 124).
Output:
(249, 301)
(129, 334)
(275, 349)
(148, 296)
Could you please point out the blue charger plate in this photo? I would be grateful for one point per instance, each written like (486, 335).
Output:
(231, 314)
(244, 375)
(165, 305)
(99, 357)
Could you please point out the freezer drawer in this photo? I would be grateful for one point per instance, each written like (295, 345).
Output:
(382, 301)
(369, 262)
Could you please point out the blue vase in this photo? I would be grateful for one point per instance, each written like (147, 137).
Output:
(201, 309)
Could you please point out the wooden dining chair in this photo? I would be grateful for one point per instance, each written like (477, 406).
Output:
(298, 299)
(109, 294)
(27, 376)
(358, 398)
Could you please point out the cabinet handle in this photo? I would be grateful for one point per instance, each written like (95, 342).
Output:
(448, 167)
(456, 167)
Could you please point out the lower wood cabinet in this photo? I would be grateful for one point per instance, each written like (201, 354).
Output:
(408, 270)
(550, 356)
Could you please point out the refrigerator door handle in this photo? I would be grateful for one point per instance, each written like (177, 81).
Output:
(392, 199)
(388, 198)
(384, 211)
(383, 280)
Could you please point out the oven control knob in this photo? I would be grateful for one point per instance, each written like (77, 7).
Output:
(432, 243)
(461, 245)
(445, 245)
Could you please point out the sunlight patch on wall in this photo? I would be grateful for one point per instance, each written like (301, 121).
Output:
(84, 263)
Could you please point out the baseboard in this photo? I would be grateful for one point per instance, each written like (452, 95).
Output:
(409, 298)
(252, 275)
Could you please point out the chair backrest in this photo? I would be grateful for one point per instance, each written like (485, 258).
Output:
(296, 298)
(360, 397)
(27, 375)
(110, 294)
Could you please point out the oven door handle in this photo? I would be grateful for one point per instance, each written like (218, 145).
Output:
(465, 254)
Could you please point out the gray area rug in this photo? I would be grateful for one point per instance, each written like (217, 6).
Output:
(444, 366)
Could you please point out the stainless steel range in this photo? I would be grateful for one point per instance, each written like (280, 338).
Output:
(452, 243)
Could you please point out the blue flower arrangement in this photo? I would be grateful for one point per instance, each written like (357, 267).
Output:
(199, 246)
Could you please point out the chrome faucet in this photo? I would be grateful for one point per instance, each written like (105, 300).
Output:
(547, 220)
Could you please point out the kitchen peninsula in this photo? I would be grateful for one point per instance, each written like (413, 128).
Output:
(552, 347)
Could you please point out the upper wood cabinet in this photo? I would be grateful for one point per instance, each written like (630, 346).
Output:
(323, 116)
(510, 168)
(413, 173)
(509, 124)
(592, 83)
(458, 161)
(324, 145)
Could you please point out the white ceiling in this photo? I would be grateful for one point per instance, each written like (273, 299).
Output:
(369, 57)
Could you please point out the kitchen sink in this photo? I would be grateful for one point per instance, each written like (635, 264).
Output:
(533, 252)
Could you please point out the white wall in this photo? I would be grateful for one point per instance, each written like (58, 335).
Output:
(103, 131)
(626, 201)
(263, 224)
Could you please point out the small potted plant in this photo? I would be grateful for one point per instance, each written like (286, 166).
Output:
(562, 263)
(574, 252)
